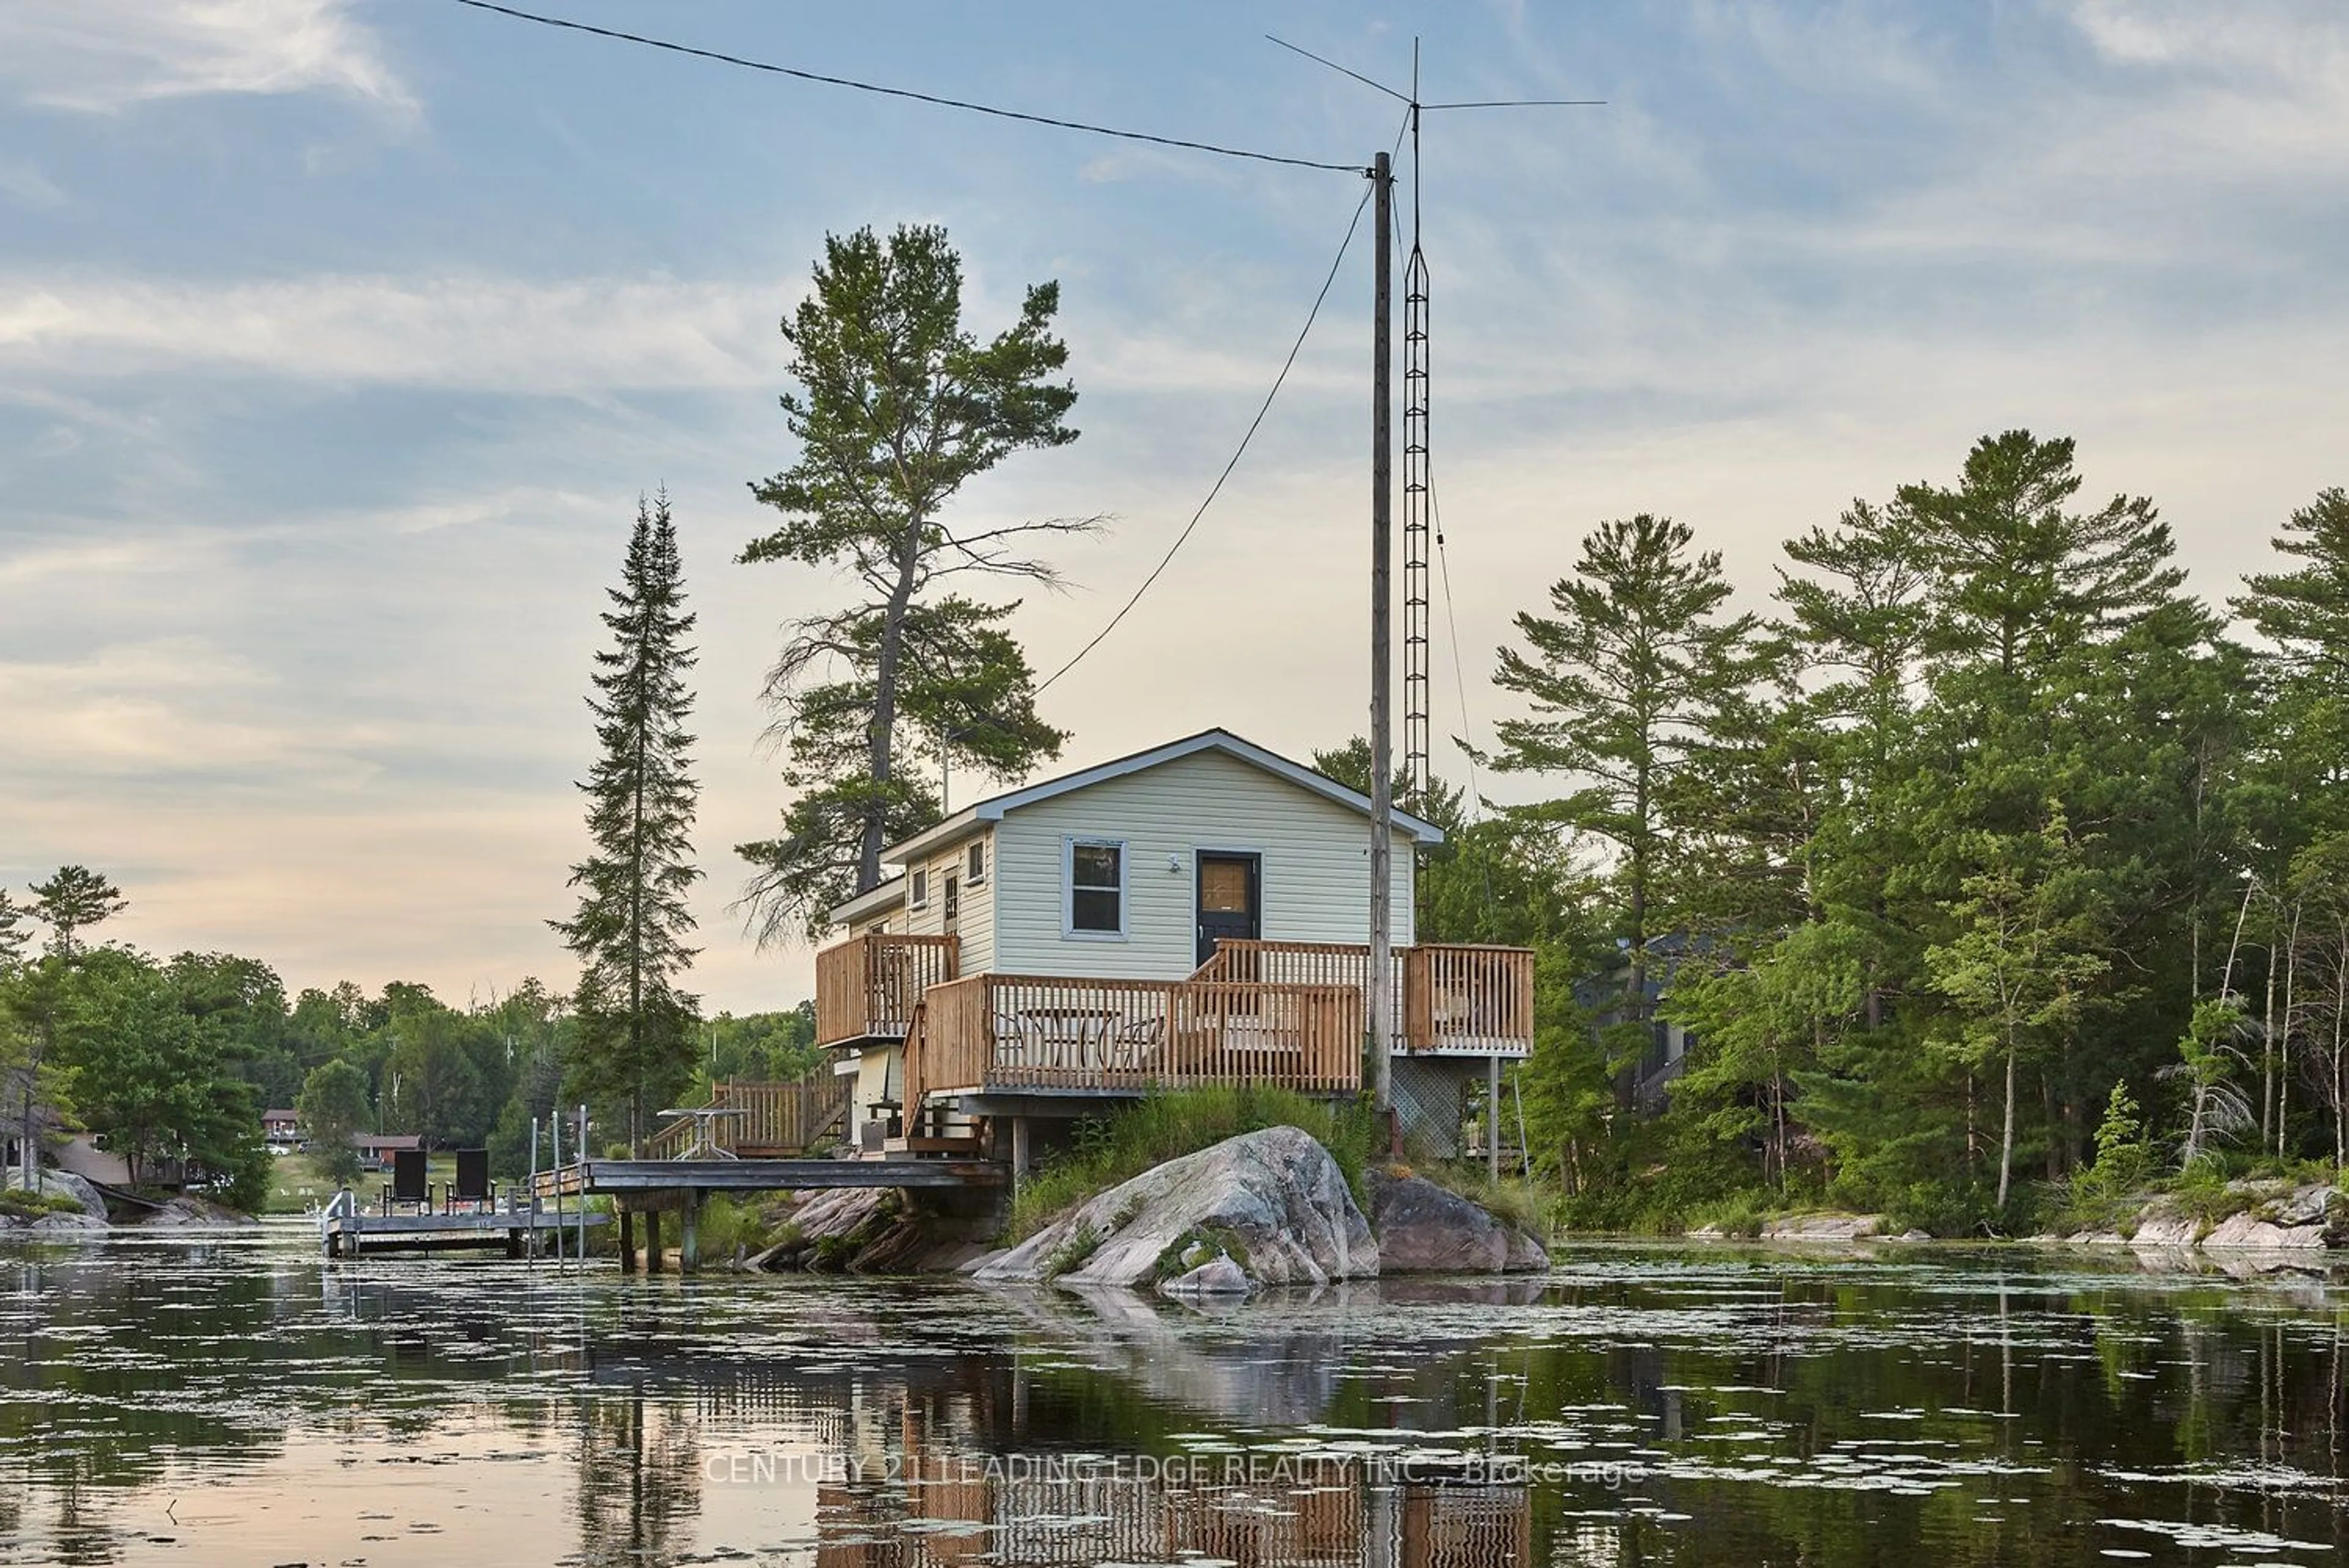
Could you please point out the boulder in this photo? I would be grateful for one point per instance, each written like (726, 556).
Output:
(2164, 1231)
(1273, 1201)
(62, 1184)
(67, 1221)
(1824, 1228)
(1423, 1228)
(1218, 1276)
(2247, 1231)
(2307, 1205)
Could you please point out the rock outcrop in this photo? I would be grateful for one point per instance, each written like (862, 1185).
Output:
(1273, 1203)
(1423, 1228)
(64, 1184)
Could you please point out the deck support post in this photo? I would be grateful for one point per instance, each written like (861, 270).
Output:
(627, 1241)
(1492, 1117)
(1019, 1154)
(688, 1251)
(655, 1261)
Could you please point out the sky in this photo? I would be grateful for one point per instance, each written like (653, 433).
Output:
(339, 339)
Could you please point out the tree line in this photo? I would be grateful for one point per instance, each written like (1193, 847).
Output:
(1984, 828)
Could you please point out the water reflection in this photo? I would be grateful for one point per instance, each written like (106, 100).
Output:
(236, 1401)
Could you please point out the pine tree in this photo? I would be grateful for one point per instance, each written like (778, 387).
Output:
(897, 407)
(1634, 674)
(72, 901)
(635, 1036)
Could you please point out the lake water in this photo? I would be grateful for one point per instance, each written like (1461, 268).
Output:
(235, 1400)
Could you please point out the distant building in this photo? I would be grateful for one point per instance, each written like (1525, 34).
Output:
(281, 1130)
(376, 1149)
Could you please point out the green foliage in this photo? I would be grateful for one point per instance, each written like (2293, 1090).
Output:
(333, 1105)
(1164, 1126)
(71, 901)
(634, 1046)
(2123, 1162)
(896, 405)
(1073, 1250)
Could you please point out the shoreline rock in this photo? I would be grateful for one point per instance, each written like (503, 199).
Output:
(1272, 1203)
(1423, 1229)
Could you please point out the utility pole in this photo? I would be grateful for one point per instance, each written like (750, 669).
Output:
(1378, 993)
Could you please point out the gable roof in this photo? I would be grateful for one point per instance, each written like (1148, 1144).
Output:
(972, 818)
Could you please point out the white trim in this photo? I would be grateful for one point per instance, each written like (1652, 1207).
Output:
(978, 880)
(963, 822)
(1068, 931)
(878, 899)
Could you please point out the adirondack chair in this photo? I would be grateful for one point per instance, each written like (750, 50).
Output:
(473, 1187)
(409, 1186)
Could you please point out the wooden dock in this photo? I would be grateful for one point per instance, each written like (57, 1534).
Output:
(638, 1176)
(350, 1231)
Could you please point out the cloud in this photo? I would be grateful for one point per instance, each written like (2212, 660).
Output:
(105, 56)
(22, 179)
(565, 338)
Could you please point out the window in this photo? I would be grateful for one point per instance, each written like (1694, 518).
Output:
(1096, 887)
(954, 897)
(975, 872)
(917, 896)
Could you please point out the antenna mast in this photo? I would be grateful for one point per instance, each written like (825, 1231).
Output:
(1415, 500)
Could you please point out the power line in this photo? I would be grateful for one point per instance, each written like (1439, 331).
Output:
(1459, 669)
(772, 69)
(1248, 436)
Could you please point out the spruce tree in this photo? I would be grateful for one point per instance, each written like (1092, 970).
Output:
(635, 1036)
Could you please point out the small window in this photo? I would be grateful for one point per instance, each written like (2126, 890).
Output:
(954, 897)
(1096, 887)
(917, 896)
(977, 869)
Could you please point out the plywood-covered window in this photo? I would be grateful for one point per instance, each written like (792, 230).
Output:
(1096, 887)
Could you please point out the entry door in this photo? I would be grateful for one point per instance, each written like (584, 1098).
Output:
(1230, 900)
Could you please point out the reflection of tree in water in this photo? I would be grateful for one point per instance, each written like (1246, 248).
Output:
(639, 1478)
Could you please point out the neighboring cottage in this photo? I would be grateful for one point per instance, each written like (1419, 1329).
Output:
(281, 1130)
(1196, 913)
(376, 1149)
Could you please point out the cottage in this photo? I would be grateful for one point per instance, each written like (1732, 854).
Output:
(1195, 913)
(281, 1130)
(376, 1149)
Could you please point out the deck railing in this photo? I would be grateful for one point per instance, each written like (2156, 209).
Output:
(1452, 995)
(869, 984)
(1052, 1033)
(776, 1119)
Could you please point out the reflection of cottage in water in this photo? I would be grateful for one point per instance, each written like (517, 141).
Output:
(942, 1505)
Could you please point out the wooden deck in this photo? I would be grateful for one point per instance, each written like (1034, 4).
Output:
(1022, 1034)
(1454, 998)
(867, 987)
(763, 1120)
(697, 1175)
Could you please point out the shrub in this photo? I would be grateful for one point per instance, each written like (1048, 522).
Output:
(1071, 1254)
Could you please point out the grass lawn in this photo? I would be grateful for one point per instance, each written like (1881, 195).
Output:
(298, 1184)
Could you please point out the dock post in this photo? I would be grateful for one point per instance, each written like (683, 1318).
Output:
(627, 1241)
(654, 1262)
(1492, 1117)
(689, 1250)
(1019, 1154)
